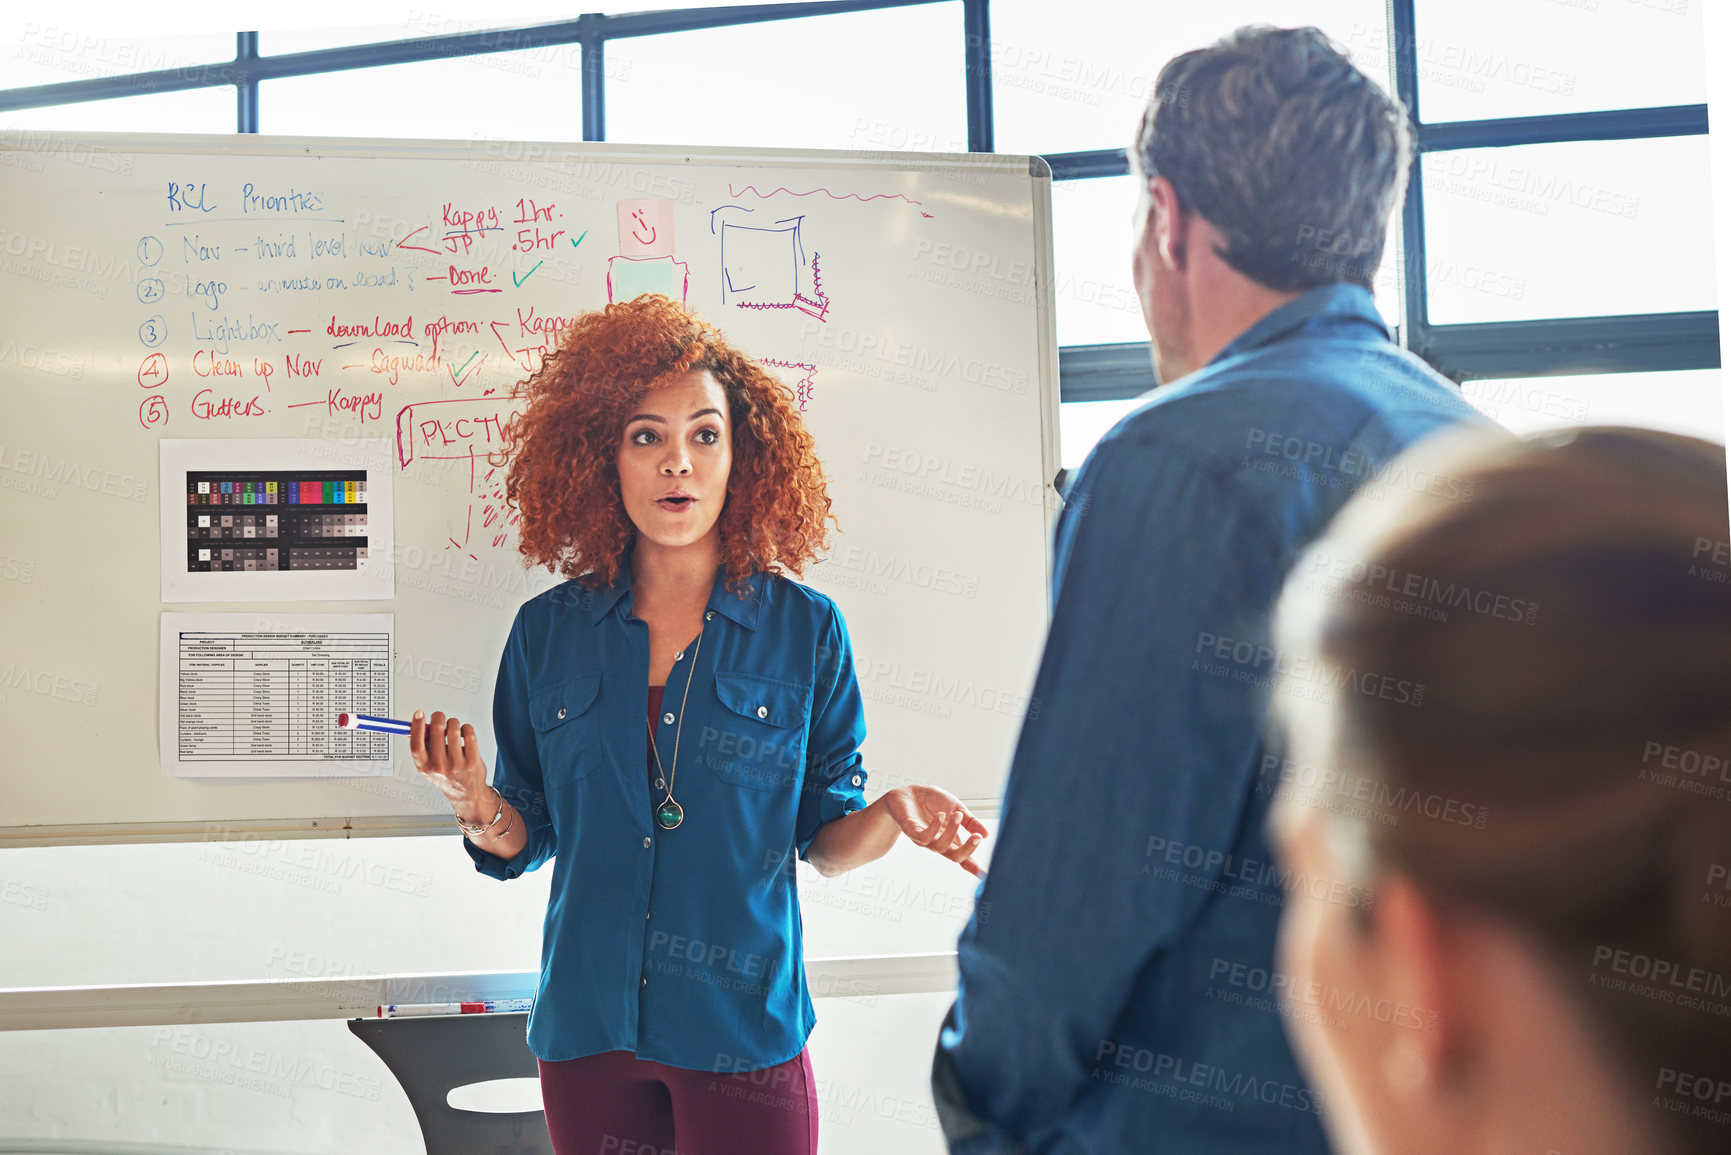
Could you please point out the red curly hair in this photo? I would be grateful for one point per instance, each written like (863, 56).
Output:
(564, 479)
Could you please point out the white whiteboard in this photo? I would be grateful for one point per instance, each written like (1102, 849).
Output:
(150, 284)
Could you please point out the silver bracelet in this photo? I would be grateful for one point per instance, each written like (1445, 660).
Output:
(477, 830)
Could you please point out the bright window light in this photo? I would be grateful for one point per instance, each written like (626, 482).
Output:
(1076, 75)
(195, 110)
(527, 95)
(1569, 230)
(1483, 59)
(883, 80)
(1688, 402)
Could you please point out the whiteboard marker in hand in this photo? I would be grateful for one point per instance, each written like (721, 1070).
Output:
(373, 723)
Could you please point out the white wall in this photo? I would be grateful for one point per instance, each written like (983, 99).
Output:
(329, 909)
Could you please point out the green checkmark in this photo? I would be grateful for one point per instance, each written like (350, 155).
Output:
(519, 283)
(457, 377)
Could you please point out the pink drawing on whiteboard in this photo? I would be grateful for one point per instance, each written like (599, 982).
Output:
(646, 263)
(752, 190)
(645, 228)
(801, 385)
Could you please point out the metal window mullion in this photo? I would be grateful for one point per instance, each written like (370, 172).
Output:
(1415, 297)
(977, 69)
(245, 83)
(1625, 343)
(1566, 128)
(593, 65)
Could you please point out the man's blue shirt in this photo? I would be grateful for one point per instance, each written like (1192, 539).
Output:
(681, 945)
(1116, 988)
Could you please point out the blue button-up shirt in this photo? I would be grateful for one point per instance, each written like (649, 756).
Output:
(1117, 986)
(681, 945)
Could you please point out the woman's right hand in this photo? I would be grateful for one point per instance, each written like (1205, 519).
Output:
(449, 753)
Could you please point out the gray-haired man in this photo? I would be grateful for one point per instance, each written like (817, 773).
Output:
(1118, 989)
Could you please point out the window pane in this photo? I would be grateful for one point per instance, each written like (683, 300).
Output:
(1082, 423)
(890, 79)
(1092, 233)
(531, 95)
(1480, 59)
(195, 110)
(1680, 402)
(379, 21)
(1569, 230)
(1076, 75)
(282, 41)
(1091, 238)
(52, 52)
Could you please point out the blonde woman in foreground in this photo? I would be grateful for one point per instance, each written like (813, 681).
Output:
(1546, 964)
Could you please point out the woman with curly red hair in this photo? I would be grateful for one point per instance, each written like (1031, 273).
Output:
(669, 477)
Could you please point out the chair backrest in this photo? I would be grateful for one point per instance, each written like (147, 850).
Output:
(431, 1056)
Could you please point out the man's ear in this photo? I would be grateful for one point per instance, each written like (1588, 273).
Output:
(1171, 225)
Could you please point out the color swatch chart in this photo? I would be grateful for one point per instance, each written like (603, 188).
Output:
(276, 520)
(263, 697)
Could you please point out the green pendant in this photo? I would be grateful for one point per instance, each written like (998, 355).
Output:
(669, 814)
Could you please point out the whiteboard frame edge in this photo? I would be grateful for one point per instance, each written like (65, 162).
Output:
(373, 826)
(350, 997)
(1051, 460)
(437, 148)
(139, 833)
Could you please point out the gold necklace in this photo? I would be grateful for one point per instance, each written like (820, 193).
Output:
(670, 813)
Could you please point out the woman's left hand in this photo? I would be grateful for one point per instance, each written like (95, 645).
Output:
(936, 819)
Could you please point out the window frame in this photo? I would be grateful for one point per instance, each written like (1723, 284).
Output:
(1552, 346)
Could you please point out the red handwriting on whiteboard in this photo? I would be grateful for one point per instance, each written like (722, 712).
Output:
(152, 371)
(206, 407)
(445, 326)
(377, 327)
(471, 279)
(393, 365)
(528, 212)
(153, 410)
(463, 226)
(366, 406)
(470, 220)
(453, 428)
(459, 428)
(207, 364)
(533, 238)
(536, 336)
(475, 280)
(438, 433)
(404, 243)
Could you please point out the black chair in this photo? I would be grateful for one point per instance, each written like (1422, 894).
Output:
(431, 1056)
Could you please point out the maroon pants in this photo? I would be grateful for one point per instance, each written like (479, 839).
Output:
(617, 1104)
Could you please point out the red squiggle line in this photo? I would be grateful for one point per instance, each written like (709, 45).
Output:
(752, 189)
(803, 387)
(817, 285)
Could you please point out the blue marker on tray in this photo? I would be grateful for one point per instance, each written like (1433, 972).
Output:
(370, 722)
